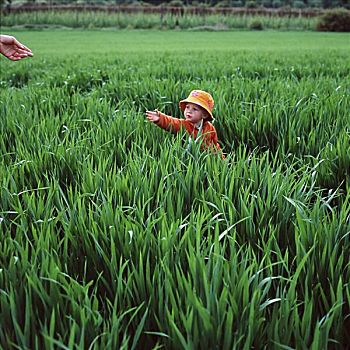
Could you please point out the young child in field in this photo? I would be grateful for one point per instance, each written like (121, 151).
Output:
(197, 110)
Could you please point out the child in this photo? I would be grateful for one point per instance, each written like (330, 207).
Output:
(198, 114)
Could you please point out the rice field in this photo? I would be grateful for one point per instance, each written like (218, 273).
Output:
(116, 235)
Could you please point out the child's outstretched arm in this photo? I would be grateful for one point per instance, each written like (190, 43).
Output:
(165, 121)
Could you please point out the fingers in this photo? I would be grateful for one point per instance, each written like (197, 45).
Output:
(26, 50)
(16, 43)
(24, 53)
(152, 116)
(23, 49)
(18, 55)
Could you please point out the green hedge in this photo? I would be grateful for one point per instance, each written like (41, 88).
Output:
(337, 20)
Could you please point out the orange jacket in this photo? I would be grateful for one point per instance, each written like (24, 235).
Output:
(209, 136)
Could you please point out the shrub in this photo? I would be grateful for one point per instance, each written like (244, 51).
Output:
(337, 20)
(298, 4)
(256, 25)
(266, 3)
(237, 3)
(251, 5)
(200, 4)
(176, 3)
(276, 4)
(315, 3)
(138, 3)
(223, 3)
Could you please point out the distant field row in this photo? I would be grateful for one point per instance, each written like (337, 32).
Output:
(105, 19)
(17, 6)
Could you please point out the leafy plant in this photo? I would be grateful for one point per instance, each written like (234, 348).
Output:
(336, 20)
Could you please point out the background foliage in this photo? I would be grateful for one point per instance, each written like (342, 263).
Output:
(207, 3)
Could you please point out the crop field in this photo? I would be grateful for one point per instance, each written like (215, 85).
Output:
(114, 234)
(90, 19)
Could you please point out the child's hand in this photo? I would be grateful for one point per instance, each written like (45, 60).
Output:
(152, 116)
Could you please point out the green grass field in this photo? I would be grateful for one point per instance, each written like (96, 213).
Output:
(109, 43)
(115, 236)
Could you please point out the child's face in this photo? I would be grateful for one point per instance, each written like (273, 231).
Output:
(193, 113)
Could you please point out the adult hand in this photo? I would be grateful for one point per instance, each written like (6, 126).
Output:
(11, 48)
(152, 116)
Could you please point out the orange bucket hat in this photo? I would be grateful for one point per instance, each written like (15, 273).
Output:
(200, 98)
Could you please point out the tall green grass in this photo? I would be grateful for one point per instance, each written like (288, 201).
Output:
(115, 236)
(79, 19)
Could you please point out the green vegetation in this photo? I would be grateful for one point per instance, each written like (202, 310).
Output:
(215, 22)
(113, 236)
(205, 4)
(337, 20)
